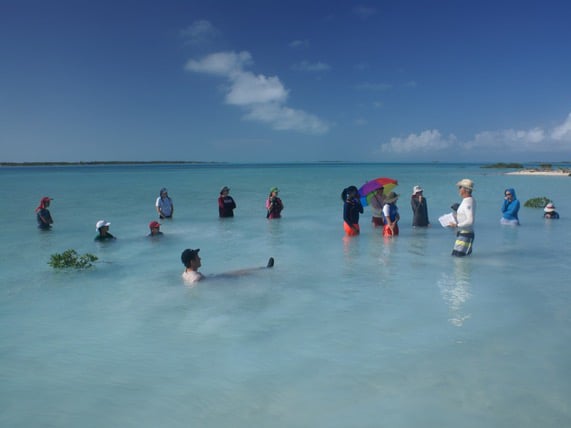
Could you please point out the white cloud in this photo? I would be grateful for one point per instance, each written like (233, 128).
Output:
(308, 66)
(563, 131)
(426, 141)
(248, 88)
(222, 63)
(199, 32)
(534, 140)
(263, 97)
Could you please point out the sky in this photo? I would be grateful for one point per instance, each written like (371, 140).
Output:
(285, 81)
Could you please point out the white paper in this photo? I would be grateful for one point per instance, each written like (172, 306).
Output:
(446, 219)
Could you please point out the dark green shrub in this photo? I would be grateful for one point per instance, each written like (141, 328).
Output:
(538, 202)
(70, 259)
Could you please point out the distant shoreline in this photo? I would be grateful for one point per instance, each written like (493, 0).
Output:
(90, 163)
(560, 172)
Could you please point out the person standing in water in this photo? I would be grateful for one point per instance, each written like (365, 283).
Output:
(43, 215)
(164, 204)
(510, 208)
(391, 215)
(465, 218)
(274, 204)
(377, 201)
(419, 208)
(226, 204)
(351, 209)
(102, 228)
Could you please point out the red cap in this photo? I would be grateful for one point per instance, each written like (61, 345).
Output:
(154, 225)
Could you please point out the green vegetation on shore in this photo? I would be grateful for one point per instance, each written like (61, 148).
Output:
(504, 165)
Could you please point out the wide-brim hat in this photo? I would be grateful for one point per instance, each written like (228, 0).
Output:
(466, 183)
(416, 189)
(391, 197)
(549, 208)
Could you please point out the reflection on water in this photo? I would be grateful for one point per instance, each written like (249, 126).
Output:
(455, 290)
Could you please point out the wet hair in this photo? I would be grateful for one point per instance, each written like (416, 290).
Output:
(187, 256)
(347, 191)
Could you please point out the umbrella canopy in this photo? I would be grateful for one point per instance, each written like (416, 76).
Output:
(366, 192)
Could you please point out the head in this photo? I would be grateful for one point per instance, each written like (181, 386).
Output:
(391, 198)
(349, 193)
(465, 187)
(155, 227)
(164, 192)
(44, 203)
(190, 258)
(549, 208)
(102, 226)
(509, 194)
(417, 191)
(225, 190)
(274, 191)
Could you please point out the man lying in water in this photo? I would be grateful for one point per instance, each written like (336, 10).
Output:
(191, 261)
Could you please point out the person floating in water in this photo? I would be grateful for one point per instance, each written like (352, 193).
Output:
(391, 215)
(549, 212)
(43, 215)
(510, 208)
(102, 228)
(419, 208)
(164, 204)
(192, 262)
(466, 216)
(351, 209)
(226, 204)
(155, 229)
(274, 204)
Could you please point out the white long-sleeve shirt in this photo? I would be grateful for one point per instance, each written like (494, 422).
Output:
(466, 215)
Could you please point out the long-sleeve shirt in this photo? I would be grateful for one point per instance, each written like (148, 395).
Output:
(466, 215)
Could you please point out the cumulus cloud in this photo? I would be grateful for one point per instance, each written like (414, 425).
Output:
(534, 140)
(199, 32)
(563, 131)
(263, 97)
(426, 141)
(312, 67)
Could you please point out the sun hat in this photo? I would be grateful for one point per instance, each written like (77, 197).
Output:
(101, 223)
(224, 189)
(416, 189)
(549, 208)
(391, 197)
(274, 189)
(154, 225)
(466, 183)
(188, 255)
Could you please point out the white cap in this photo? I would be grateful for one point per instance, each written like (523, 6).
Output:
(100, 224)
(416, 189)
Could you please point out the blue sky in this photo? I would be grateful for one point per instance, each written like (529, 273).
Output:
(260, 81)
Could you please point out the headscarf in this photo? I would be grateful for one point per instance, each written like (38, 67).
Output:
(43, 203)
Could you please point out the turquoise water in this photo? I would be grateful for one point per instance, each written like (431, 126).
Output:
(341, 332)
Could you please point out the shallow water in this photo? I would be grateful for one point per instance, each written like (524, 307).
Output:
(341, 332)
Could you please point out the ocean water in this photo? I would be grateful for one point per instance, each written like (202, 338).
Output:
(342, 332)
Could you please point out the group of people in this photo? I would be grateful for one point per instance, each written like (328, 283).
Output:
(385, 212)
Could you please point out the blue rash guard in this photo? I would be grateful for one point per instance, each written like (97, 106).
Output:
(510, 208)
